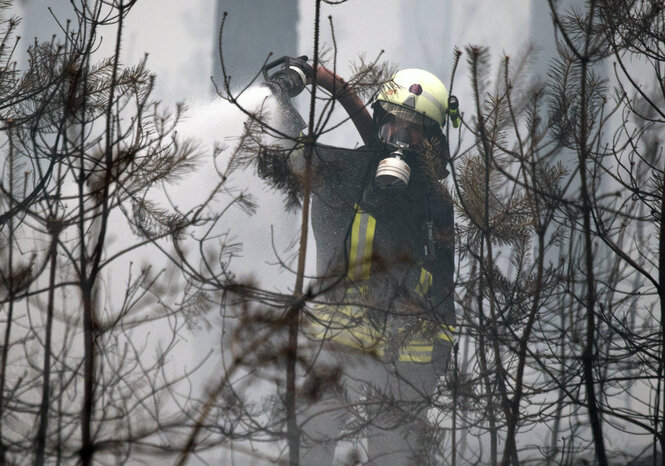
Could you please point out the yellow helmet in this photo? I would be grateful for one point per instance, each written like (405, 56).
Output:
(412, 94)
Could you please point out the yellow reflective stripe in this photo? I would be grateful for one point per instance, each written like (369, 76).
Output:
(349, 310)
(362, 238)
(369, 240)
(337, 325)
(345, 325)
(353, 254)
(420, 348)
(362, 330)
(424, 283)
(415, 357)
(447, 333)
(334, 323)
(352, 311)
(416, 353)
(364, 337)
(350, 337)
(350, 340)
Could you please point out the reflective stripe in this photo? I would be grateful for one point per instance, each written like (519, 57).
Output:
(424, 283)
(447, 333)
(410, 101)
(417, 358)
(420, 347)
(408, 356)
(346, 325)
(347, 339)
(362, 238)
(433, 100)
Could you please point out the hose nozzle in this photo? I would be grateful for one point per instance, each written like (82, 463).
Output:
(290, 80)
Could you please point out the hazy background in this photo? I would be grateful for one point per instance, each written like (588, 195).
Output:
(181, 40)
(181, 37)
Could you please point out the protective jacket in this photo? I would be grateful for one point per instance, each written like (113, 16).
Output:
(384, 264)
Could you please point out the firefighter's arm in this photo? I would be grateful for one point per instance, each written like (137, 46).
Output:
(295, 73)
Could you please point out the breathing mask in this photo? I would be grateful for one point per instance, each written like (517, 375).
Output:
(412, 103)
(401, 136)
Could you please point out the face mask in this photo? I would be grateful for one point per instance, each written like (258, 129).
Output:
(393, 172)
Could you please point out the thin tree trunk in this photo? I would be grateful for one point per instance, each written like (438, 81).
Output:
(293, 316)
(488, 268)
(510, 453)
(554, 449)
(491, 417)
(539, 227)
(454, 390)
(87, 449)
(588, 353)
(10, 310)
(590, 299)
(465, 364)
(59, 429)
(588, 356)
(90, 268)
(558, 413)
(46, 374)
(659, 431)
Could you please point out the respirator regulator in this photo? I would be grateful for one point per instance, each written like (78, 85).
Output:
(400, 136)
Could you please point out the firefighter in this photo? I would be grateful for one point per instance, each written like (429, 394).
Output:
(384, 314)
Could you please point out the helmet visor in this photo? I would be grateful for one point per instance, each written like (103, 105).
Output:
(400, 132)
(407, 114)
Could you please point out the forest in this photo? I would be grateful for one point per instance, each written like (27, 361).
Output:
(558, 190)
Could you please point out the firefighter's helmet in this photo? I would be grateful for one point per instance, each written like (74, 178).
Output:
(414, 95)
(411, 108)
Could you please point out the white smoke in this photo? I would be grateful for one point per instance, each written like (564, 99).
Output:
(264, 236)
